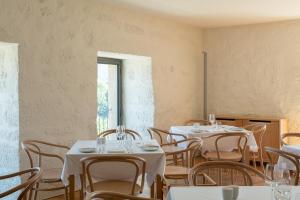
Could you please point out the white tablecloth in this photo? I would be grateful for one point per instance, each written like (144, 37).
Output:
(295, 149)
(155, 160)
(208, 144)
(215, 193)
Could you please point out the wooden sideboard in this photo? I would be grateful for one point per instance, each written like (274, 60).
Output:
(275, 127)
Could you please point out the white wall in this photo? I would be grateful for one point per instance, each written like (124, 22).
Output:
(9, 114)
(255, 69)
(59, 40)
(138, 101)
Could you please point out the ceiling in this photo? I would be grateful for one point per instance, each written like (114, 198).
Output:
(217, 13)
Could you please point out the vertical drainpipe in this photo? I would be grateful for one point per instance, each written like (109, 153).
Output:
(205, 85)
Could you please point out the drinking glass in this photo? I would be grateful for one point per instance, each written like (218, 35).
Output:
(283, 192)
(271, 172)
(212, 119)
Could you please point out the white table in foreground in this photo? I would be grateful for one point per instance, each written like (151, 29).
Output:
(295, 149)
(215, 193)
(155, 160)
(208, 144)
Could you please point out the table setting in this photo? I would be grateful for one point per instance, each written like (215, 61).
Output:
(147, 149)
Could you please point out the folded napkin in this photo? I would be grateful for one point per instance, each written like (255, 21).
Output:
(116, 150)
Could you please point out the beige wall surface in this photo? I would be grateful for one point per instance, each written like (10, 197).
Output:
(59, 40)
(255, 69)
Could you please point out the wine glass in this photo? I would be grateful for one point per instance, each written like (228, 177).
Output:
(212, 119)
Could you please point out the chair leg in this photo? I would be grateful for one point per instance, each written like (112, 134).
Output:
(254, 160)
(66, 193)
(36, 191)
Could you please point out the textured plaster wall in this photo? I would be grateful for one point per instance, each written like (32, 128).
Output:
(9, 114)
(59, 40)
(255, 69)
(138, 101)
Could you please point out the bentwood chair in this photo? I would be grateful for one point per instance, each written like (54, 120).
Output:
(164, 137)
(115, 196)
(25, 188)
(258, 130)
(112, 174)
(183, 159)
(135, 135)
(288, 136)
(238, 142)
(273, 155)
(37, 151)
(223, 173)
(190, 122)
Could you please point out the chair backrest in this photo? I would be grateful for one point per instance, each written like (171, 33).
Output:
(190, 122)
(163, 136)
(288, 136)
(115, 196)
(135, 135)
(223, 173)
(36, 149)
(103, 168)
(25, 188)
(273, 155)
(258, 130)
(186, 155)
(240, 139)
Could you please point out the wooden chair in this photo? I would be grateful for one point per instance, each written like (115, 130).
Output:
(97, 174)
(24, 188)
(115, 196)
(273, 155)
(238, 153)
(223, 173)
(184, 159)
(162, 136)
(135, 135)
(199, 121)
(288, 136)
(258, 130)
(36, 153)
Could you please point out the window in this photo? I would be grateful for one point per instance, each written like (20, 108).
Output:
(109, 93)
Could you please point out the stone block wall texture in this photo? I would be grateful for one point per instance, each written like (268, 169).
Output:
(255, 69)
(58, 45)
(138, 101)
(9, 115)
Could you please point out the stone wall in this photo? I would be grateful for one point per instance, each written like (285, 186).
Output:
(59, 40)
(9, 114)
(138, 101)
(255, 69)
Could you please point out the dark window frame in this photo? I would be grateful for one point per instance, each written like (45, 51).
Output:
(118, 63)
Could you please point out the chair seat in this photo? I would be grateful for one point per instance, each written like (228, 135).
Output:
(51, 175)
(123, 187)
(171, 148)
(176, 171)
(224, 155)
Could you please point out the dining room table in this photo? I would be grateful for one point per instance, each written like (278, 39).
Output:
(203, 131)
(215, 193)
(292, 148)
(155, 161)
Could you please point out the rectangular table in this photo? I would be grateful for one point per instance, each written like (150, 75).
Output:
(208, 144)
(295, 149)
(155, 161)
(215, 193)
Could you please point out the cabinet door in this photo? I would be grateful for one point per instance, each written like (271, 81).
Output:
(271, 137)
(230, 122)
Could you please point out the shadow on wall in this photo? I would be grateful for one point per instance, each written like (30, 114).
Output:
(137, 91)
